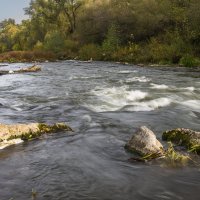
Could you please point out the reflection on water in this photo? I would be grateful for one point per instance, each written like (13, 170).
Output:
(104, 103)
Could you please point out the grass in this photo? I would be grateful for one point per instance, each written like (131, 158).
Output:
(174, 158)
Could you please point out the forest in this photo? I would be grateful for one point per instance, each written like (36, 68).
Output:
(164, 32)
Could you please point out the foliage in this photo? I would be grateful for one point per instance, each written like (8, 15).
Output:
(90, 51)
(111, 42)
(189, 61)
(53, 41)
(153, 31)
(38, 46)
(26, 56)
(174, 159)
(130, 53)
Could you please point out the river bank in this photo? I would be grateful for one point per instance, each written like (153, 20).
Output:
(43, 56)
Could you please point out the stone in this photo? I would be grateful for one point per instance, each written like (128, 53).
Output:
(184, 137)
(33, 68)
(144, 143)
(12, 134)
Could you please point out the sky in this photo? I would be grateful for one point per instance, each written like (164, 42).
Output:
(13, 9)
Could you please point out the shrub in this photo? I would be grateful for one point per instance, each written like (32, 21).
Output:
(16, 47)
(38, 46)
(90, 51)
(189, 61)
(26, 56)
(112, 41)
(54, 42)
(71, 45)
(127, 54)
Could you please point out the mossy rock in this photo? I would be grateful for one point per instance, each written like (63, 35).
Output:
(184, 137)
(29, 131)
(173, 158)
(33, 68)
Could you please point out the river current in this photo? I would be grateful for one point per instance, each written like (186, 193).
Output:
(104, 103)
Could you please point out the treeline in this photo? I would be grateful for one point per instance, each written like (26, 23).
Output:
(137, 31)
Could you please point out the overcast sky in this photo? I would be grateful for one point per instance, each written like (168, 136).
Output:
(13, 9)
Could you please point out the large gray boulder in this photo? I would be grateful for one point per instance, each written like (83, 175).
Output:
(144, 143)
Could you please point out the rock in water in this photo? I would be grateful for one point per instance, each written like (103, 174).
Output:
(185, 137)
(12, 134)
(144, 143)
(33, 68)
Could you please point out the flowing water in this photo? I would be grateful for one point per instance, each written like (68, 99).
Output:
(104, 103)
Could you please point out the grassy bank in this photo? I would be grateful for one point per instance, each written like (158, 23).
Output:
(130, 54)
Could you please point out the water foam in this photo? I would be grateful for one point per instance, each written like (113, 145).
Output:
(189, 88)
(160, 87)
(127, 71)
(194, 104)
(150, 105)
(7, 143)
(142, 79)
(112, 99)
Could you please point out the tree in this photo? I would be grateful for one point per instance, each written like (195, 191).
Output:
(56, 12)
(69, 8)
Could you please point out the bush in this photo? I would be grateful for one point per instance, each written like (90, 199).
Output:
(54, 42)
(71, 45)
(127, 54)
(162, 52)
(90, 51)
(38, 46)
(26, 56)
(16, 47)
(189, 61)
(112, 41)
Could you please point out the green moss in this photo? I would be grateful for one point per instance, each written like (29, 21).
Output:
(176, 136)
(143, 157)
(43, 128)
(181, 138)
(169, 158)
(195, 149)
(174, 158)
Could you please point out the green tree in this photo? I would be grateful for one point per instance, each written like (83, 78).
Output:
(112, 41)
(54, 42)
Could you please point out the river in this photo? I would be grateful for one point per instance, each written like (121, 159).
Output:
(104, 103)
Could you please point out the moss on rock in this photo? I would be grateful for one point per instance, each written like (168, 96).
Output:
(33, 68)
(175, 159)
(28, 131)
(184, 137)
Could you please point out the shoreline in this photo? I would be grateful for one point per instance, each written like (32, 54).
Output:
(37, 56)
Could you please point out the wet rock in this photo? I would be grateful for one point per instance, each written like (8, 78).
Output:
(184, 137)
(144, 143)
(24, 70)
(12, 134)
(34, 68)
